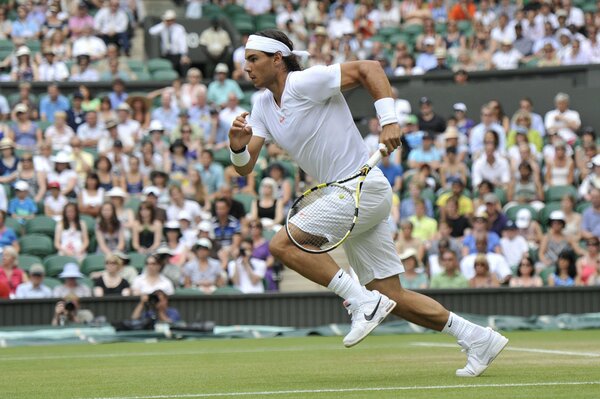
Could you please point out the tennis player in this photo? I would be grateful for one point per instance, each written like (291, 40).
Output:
(305, 113)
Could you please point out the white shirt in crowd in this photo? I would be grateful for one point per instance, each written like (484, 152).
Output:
(327, 157)
(140, 284)
(245, 284)
(561, 126)
(87, 132)
(513, 250)
(105, 21)
(497, 173)
(506, 59)
(57, 71)
(173, 39)
(497, 263)
(90, 45)
(192, 207)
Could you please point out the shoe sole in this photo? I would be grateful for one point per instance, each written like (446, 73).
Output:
(390, 306)
(498, 347)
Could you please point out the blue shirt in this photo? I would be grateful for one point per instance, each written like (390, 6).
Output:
(116, 100)
(426, 61)
(493, 241)
(172, 314)
(218, 92)
(49, 107)
(224, 234)
(7, 237)
(591, 221)
(24, 207)
(391, 172)
(27, 28)
(213, 177)
(407, 208)
(201, 117)
(168, 118)
(414, 139)
(420, 155)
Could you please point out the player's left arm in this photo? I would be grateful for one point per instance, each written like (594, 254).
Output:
(371, 76)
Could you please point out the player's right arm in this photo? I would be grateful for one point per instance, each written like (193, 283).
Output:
(240, 136)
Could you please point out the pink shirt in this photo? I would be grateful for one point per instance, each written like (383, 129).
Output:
(77, 23)
(15, 279)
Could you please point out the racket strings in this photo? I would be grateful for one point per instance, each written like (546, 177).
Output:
(321, 219)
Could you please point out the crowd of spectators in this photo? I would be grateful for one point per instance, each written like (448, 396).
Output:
(478, 201)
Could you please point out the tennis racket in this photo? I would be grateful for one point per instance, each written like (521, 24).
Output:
(323, 217)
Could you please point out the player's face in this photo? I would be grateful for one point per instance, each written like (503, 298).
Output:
(260, 68)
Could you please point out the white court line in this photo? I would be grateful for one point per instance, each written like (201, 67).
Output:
(343, 390)
(510, 348)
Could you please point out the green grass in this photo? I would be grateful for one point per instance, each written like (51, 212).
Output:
(195, 369)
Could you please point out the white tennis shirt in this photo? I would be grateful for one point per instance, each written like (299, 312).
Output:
(314, 124)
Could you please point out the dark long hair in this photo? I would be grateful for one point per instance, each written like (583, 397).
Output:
(65, 221)
(569, 256)
(148, 206)
(111, 225)
(291, 61)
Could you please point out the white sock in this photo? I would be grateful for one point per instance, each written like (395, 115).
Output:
(462, 329)
(346, 287)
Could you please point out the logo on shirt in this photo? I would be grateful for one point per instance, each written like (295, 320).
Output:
(281, 119)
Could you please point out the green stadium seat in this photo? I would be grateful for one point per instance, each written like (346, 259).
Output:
(557, 193)
(244, 26)
(92, 263)
(246, 199)
(545, 273)
(143, 76)
(265, 24)
(169, 75)
(6, 45)
(136, 66)
(43, 125)
(389, 31)
(413, 30)
(90, 223)
(25, 261)
(137, 260)
(227, 290)
(188, 291)
(440, 28)
(272, 18)
(222, 156)
(268, 234)
(133, 203)
(210, 10)
(545, 212)
(54, 264)
(501, 194)
(582, 207)
(15, 225)
(34, 46)
(51, 282)
(159, 64)
(378, 38)
(233, 9)
(399, 38)
(87, 281)
(37, 244)
(41, 225)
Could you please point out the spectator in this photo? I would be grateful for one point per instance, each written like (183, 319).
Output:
(133, 181)
(537, 123)
(506, 57)
(496, 219)
(9, 163)
(392, 172)
(463, 124)
(499, 116)
(226, 228)
(563, 120)
(574, 14)
(155, 307)
(43, 161)
(152, 279)
(490, 165)
(555, 242)
(83, 72)
(426, 154)
(10, 273)
(140, 109)
(63, 174)
(587, 265)
(53, 102)
(211, 172)
(203, 272)
(425, 227)
(89, 102)
(8, 237)
(522, 44)
(52, 69)
(565, 272)
(590, 226)
(111, 22)
(54, 22)
(496, 263)
(526, 188)
(24, 28)
(217, 43)
(71, 235)
(560, 170)
(80, 20)
(109, 232)
(22, 207)
(427, 59)
(167, 113)
(25, 132)
(464, 10)
(192, 88)
(36, 180)
(226, 117)
(483, 278)
(412, 279)
(68, 311)
(221, 87)
(71, 284)
(34, 288)
(60, 46)
(526, 276)
(246, 272)
(174, 252)
(5, 24)
(476, 137)
(572, 218)
(151, 194)
(284, 187)
(173, 41)
(429, 121)
(88, 44)
(458, 222)
(267, 206)
(59, 134)
(117, 197)
(528, 228)
(408, 204)
(548, 56)
(514, 246)
(24, 69)
(117, 96)
(76, 114)
(522, 120)
(236, 208)
(481, 229)
(585, 153)
(110, 283)
(54, 204)
(201, 115)
(129, 129)
(451, 276)
(194, 188)
(457, 187)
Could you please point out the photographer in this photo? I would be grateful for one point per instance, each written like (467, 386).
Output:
(247, 273)
(68, 312)
(155, 307)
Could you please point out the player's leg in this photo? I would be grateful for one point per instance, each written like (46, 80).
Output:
(322, 269)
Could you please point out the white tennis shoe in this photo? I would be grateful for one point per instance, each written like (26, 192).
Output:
(366, 316)
(481, 353)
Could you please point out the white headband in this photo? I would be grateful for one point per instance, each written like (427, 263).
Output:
(272, 46)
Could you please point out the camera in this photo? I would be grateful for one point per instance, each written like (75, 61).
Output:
(242, 252)
(69, 306)
(153, 299)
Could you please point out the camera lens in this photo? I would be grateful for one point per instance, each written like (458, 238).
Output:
(69, 306)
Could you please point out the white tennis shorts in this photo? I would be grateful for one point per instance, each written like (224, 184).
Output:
(370, 248)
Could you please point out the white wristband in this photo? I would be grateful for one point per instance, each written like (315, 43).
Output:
(385, 111)
(240, 159)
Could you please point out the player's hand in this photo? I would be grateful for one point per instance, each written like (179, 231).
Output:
(390, 136)
(240, 132)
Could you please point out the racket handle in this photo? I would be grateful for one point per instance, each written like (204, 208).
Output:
(376, 157)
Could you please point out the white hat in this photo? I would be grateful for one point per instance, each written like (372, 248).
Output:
(23, 50)
(124, 107)
(169, 15)
(163, 250)
(62, 157)
(507, 42)
(429, 41)
(408, 252)
(222, 68)
(172, 225)
(557, 215)
(184, 215)
(156, 126)
(564, 32)
(21, 108)
(203, 242)
(22, 185)
(70, 270)
(117, 192)
(440, 52)
(151, 190)
(523, 218)
(205, 226)
(460, 107)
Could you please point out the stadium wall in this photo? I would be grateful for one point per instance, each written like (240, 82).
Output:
(314, 309)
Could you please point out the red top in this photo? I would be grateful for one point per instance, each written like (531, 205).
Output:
(458, 14)
(15, 279)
